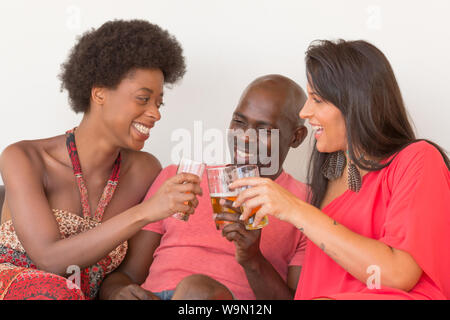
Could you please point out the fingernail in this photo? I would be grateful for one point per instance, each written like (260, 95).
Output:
(234, 204)
(214, 216)
(241, 217)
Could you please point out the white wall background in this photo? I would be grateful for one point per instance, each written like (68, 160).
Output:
(226, 44)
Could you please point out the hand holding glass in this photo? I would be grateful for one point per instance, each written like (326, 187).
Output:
(219, 178)
(244, 172)
(188, 166)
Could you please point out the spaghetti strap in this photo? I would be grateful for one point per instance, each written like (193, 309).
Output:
(110, 185)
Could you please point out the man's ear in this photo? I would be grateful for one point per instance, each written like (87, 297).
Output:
(98, 95)
(299, 135)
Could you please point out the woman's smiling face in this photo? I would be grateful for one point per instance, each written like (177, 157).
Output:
(132, 108)
(327, 122)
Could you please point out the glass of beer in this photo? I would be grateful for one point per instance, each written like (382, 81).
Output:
(244, 172)
(219, 178)
(189, 166)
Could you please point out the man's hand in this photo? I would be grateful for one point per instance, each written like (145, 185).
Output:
(264, 280)
(245, 241)
(133, 292)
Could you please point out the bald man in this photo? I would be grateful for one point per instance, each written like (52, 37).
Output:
(270, 104)
(173, 259)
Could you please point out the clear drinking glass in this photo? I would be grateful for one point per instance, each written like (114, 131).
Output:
(189, 166)
(244, 172)
(219, 178)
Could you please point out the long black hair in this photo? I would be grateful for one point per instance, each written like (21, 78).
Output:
(357, 78)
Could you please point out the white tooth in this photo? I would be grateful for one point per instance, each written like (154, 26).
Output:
(141, 128)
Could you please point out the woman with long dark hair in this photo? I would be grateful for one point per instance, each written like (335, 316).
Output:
(378, 221)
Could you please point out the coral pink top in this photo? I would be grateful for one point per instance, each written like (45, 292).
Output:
(406, 206)
(196, 246)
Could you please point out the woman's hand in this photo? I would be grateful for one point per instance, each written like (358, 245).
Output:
(272, 198)
(177, 194)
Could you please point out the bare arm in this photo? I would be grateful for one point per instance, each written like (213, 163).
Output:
(37, 228)
(354, 252)
(124, 282)
(267, 284)
(264, 280)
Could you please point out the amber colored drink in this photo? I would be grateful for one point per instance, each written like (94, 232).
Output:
(249, 223)
(244, 172)
(218, 208)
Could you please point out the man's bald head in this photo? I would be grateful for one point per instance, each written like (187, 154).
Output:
(288, 93)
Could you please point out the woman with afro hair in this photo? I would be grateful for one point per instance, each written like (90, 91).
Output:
(73, 200)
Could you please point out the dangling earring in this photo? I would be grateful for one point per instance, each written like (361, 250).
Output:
(334, 166)
(354, 176)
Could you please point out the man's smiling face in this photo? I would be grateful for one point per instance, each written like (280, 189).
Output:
(262, 126)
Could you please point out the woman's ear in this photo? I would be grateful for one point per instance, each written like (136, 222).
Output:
(98, 95)
(299, 135)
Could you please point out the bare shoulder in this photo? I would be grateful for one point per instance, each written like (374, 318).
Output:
(141, 165)
(30, 155)
(32, 150)
(22, 153)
